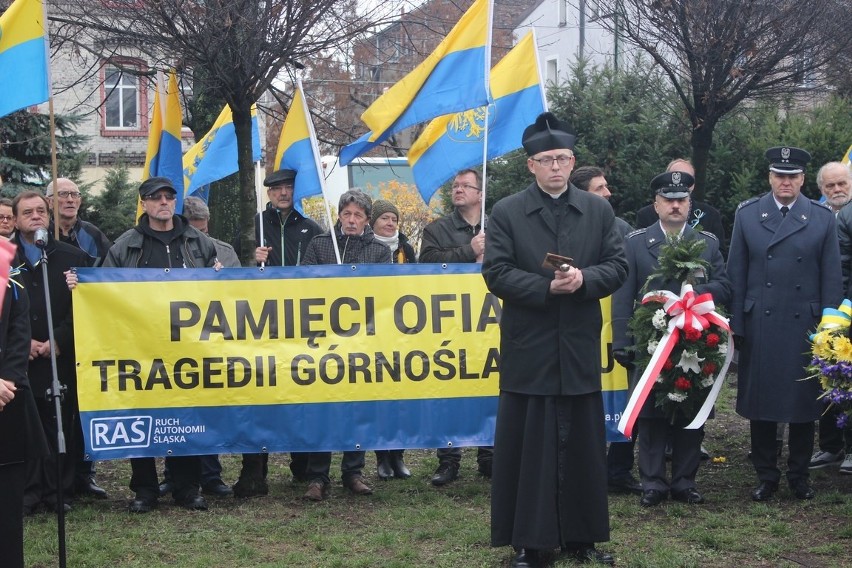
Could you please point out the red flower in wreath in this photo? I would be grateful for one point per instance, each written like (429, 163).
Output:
(668, 365)
(712, 340)
(708, 368)
(682, 383)
(692, 334)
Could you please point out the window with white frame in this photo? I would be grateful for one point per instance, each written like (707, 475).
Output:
(551, 71)
(563, 12)
(121, 94)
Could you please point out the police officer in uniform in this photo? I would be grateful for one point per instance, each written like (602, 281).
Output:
(643, 247)
(784, 265)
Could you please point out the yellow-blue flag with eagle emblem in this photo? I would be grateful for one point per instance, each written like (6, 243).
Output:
(454, 142)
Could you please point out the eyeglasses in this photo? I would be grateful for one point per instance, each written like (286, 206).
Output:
(465, 186)
(158, 196)
(6, 218)
(71, 194)
(547, 161)
(281, 187)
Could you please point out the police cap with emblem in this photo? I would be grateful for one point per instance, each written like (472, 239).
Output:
(672, 185)
(547, 133)
(152, 185)
(280, 177)
(787, 160)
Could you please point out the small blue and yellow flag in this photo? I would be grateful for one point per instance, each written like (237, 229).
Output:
(215, 156)
(297, 150)
(23, 56)
(452, 78)
(454, 142)
(163, 157)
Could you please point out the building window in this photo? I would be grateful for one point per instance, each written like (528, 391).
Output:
(594, 9)
(121, 104)
(563, 12)
(551, 73)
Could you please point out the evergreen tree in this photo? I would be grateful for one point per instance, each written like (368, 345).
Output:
(114, 210)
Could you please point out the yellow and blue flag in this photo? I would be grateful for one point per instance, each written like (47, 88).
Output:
(452, 78)
(847, 158)
(23, 56)
(297, 150)
(215, 155)
(454, 142)
(163, 157)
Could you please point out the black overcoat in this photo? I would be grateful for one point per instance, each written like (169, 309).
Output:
(784, 271)
(550, 345)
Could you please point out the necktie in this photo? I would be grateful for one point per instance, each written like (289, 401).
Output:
(784, 211)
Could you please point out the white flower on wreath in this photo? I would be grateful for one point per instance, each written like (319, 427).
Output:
(706, 382)
(690, 361)
(652, 346)
(659, 320)
(676, 396)
(723, 348)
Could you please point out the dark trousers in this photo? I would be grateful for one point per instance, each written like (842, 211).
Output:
(318, 466)
(654, 433)
(619, 459)
(211, 469)
(13, 479)
(185, 472)
(484, 455)
(764, 453)
(831, 438)
(41, 482)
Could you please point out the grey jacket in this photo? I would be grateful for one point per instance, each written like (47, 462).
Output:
(196, 248)
(357, 249)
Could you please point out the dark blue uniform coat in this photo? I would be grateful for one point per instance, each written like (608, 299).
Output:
(784, 271)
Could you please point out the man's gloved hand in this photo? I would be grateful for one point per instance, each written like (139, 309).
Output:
(624, 358)
(739, 341)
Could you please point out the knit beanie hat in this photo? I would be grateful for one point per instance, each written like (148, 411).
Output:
(380, 207)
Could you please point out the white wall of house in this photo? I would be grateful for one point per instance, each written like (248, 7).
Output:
(557, 26)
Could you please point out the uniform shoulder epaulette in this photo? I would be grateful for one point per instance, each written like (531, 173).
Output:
(636, 232)
(821, 204)
(747, 202)
(709, 234)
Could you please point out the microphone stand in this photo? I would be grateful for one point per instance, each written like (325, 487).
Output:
(55, 392)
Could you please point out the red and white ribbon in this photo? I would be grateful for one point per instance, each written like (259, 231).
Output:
(687, 311)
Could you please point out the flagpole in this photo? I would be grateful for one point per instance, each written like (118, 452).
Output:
(538, 70)
(487, 79)
(318, 164)
(258, 188)
(54, 164)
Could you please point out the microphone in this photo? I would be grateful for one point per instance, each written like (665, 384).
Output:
(40, 238)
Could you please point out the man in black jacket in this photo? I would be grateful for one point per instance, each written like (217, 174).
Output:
(286, 235)
(31, 214)
(21, 436)
(163, 239)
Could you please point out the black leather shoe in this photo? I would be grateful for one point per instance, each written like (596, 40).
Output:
(587, 553)
(166, 487)
(652, 497)
(250, 486)
(691, 496)
(217, 488)
(89, 487)
(525, 558)
(192, 502)
(484, 469)
(399, 469)
(764, 491)
(802, 490)
(446, 473)
(142, 505)
(625, 485)
(66, 507)
(383, 468)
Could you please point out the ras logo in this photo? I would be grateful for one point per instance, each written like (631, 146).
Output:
(120, 432)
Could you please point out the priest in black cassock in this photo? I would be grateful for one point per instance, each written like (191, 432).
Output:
(549, 484)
